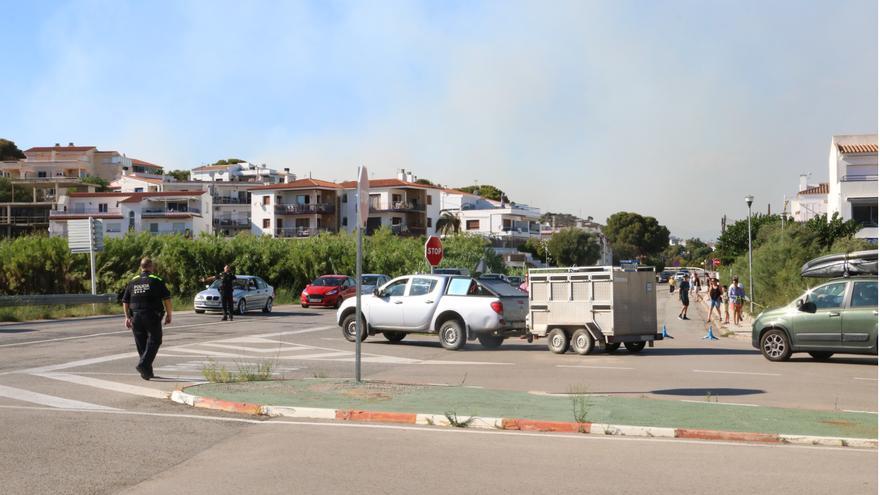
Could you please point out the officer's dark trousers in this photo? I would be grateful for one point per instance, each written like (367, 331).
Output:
(147, 329)
(228, 304)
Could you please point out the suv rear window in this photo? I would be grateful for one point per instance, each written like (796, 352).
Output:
(864, 294)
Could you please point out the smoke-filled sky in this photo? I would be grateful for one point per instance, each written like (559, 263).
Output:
(674, 109)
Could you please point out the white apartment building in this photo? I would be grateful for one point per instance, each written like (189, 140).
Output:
(852, 184)
(397, 204)
(170, 212)
(810, 201)
(297, 209)
(241, 172)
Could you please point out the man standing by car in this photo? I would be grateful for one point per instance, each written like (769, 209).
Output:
(227, 286)
(144, 301)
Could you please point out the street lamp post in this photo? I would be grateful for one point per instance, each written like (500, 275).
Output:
(749, 200)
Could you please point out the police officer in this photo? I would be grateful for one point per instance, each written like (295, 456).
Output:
(227, 286)
(144, 301)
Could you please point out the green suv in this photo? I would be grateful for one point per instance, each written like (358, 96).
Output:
(837, 316)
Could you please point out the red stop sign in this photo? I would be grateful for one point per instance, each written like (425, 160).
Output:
(433, 250)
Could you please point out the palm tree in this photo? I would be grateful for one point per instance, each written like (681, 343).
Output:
(448, 223)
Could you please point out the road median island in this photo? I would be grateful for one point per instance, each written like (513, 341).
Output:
(468, 407)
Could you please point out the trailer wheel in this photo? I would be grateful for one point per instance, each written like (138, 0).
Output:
(634, 347)
(582, 342)
(490, 341)
(609, 348)
(557, 341)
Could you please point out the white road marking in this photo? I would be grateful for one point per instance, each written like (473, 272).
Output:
(592, 367)
(75, 364)
(866, 379)
(48, 400)
(736, 373)
(719, 403)
(448, 431)
(64, 338)
(106, 385)
(862, 412)
(279, 349)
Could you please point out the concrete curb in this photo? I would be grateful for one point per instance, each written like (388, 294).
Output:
(489, 423)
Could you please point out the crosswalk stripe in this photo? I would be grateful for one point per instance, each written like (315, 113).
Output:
(106, 385)
(48, 400)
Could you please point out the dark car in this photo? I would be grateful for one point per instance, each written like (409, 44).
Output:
(328, 291)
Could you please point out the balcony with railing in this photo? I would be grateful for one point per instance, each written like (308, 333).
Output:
(300, 232)
(305, 209)
(232, 222)
(170, 212)
(397, 207)
(859, 178)
(230, 200)
(85, 212)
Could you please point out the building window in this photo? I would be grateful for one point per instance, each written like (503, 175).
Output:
(430, 221)
(345, 197)
(178, 227)
(102, 207)
(396, 220)
(345, 221)
(266, 199)
(473, 225)
(303, 199)
(429, 202)
(113, 227)
(139, 189)
(42, 174)
(154, 228)
(396, 199)
(865, 213)
(266, 222)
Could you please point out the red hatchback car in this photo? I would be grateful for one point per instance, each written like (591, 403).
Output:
(328, 291)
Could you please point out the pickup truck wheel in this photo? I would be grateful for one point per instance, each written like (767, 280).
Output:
(634, 347)
(609, 348)
(394, 336)
(349, 328)
(775, 346)
(490, 341)
(557, 341)
(452, 335)
(821, 355)
(582, 342)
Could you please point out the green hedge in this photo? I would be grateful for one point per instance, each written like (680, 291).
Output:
(43, 265)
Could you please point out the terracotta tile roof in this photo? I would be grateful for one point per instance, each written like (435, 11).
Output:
(141, 162)
(209, 168)
(820, 189)
(61, 148)
(857, 148)
(298, 184)
(134, 197)
(385, 183)
(146, 179)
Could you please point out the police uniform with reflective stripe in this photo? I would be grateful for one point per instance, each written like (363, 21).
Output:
(145, 295)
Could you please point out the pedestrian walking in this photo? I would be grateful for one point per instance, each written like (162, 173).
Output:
(227, 287)
(725, 301)
(524, 286)
(683, 290)
(735, 301)
(741, 296)
(672, 286)
(714, 298)
(145, 300)
(698, 286)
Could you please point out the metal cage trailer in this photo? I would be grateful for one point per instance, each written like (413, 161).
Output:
(582, 307)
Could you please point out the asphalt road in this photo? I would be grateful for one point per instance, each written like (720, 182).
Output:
(78, 419)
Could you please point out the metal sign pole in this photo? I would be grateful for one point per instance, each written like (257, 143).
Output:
(357, 311)
(92, 254)
(363, 194)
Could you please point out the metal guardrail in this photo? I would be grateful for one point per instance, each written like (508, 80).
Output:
(51, 299)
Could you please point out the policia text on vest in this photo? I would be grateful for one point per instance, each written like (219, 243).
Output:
(145, 301)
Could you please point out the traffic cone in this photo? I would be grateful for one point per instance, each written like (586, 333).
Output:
(665, 334)
(710, 335)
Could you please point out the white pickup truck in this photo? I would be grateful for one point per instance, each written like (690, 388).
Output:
(456, 308)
